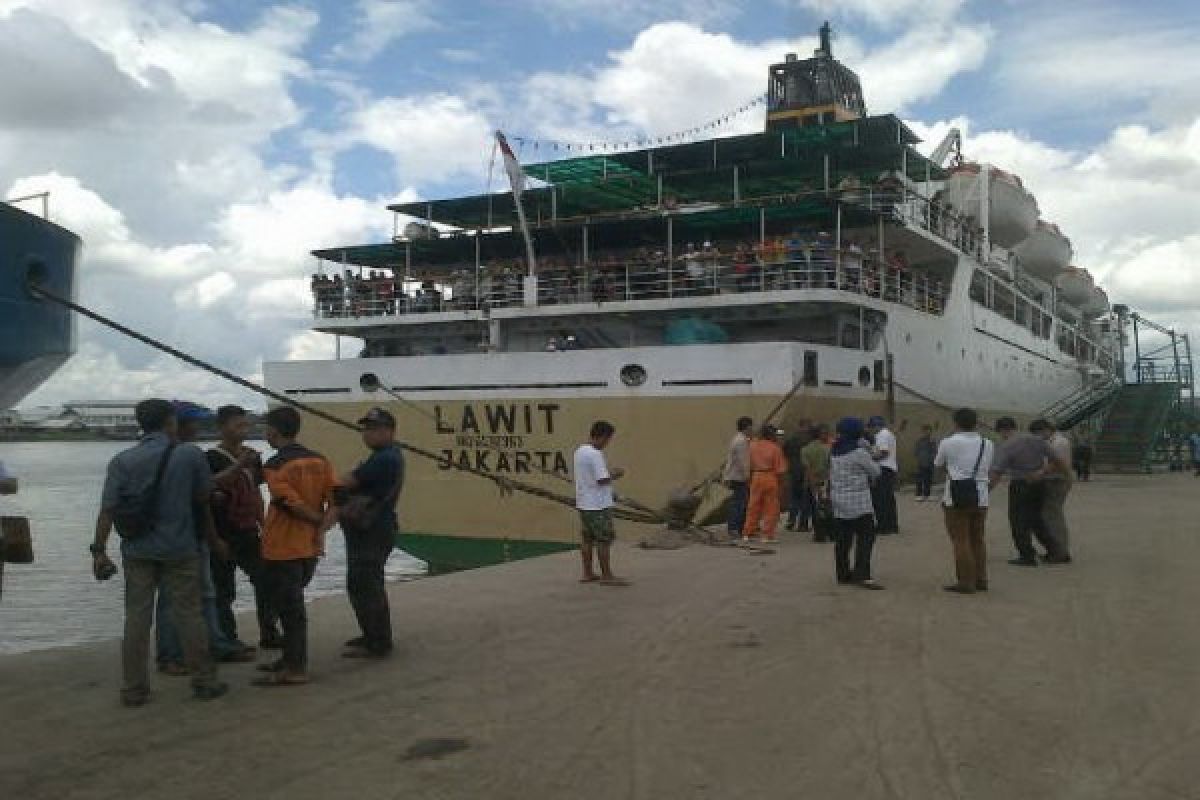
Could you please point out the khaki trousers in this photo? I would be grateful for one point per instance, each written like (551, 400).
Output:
(181, 581)
(966, 527)
(1054, 515)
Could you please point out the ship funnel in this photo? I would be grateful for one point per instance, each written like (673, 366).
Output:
(369, 382)
(826, 34)
(791, 58)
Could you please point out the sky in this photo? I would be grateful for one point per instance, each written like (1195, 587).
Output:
(202, 148)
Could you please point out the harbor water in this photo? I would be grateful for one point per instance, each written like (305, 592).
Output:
(55, 602)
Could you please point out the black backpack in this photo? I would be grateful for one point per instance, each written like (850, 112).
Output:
(135, 513)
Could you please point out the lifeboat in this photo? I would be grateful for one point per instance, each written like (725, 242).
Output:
(1046, 254)
(1096, 304)
(1013, 211)
(1075, 285)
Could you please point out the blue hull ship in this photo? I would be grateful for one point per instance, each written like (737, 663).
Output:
(36, 337)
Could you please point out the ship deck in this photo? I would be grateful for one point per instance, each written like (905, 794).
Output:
(716, 674)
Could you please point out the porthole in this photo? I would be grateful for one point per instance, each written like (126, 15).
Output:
(939, 347)
(864, 376)
(633, 375)
(908, 338)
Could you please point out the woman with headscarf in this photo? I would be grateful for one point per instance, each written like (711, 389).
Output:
(851, 471)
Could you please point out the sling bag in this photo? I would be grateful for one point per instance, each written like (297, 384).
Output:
(964, 493)
(135, 512)
(361, 511)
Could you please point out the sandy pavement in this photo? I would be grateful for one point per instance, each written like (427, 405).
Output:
(718, 674)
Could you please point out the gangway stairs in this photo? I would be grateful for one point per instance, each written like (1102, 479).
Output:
(1133, 426)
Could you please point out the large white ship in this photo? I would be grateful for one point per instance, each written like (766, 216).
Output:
(824, 264)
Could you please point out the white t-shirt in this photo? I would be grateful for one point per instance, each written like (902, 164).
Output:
(590, 469)
(886, 440)
(957, 453)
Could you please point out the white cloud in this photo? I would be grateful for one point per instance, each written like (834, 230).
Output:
(207, 291)
(632, 14)
(235, 300)
(1107, 60)
(380, 23)
(179, 108)
(430, 137)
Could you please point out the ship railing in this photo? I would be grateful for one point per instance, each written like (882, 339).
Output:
(905, 205)
(815, 269)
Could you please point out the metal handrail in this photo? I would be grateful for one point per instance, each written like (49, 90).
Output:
(633, 281)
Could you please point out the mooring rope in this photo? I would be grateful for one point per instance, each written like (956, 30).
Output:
(636, 512)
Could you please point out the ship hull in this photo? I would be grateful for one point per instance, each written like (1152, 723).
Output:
(520, 415)
(36, 338)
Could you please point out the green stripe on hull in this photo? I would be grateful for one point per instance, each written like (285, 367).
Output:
(453, 553)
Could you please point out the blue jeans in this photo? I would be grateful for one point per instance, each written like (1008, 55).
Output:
(166, 637)
(738, 498)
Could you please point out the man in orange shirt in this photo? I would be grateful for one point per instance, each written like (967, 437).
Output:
(301, 484)
(767, 468)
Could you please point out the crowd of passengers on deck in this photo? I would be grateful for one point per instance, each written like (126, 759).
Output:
(775, 264)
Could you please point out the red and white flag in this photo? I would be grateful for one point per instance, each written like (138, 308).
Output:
(516, 176)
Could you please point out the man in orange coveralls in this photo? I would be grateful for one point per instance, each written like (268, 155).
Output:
(767, 468)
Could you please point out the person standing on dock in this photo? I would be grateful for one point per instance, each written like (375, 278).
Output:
(799, 497)
(967, 458)
(238, 513)
(301, 512)
(768, 468)
(223, 647)
(884, 493)
(1057, 484)
(594, 501)
(816, 478)
(1023, 457)
(1194, 443)
(736, 476)
(924, 452)
(368, 519)
(8, 485)
(851, 470)
(157, 493)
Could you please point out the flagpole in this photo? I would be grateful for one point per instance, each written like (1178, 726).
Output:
(517, 179)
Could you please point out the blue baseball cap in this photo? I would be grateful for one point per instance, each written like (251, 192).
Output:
(877, 422)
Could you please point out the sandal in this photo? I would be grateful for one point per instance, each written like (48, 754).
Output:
(278, 679)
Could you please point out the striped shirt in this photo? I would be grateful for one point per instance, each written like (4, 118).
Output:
(850, 477)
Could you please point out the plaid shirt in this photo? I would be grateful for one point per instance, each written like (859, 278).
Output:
(850, 484)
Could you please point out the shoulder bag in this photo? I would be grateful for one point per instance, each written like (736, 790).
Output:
(965, 493)
(361, 511)
(135, 512)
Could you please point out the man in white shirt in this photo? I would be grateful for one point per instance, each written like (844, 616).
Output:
(884, 491)
(966, 456)
(8, 485)
(594, 501)
(736, 476)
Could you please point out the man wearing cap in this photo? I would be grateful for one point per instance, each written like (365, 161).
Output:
(367, 503)
(883, 493)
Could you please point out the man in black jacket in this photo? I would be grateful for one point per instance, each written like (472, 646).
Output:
(368, 518)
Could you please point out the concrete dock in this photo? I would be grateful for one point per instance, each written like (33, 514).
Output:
(717, 674)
